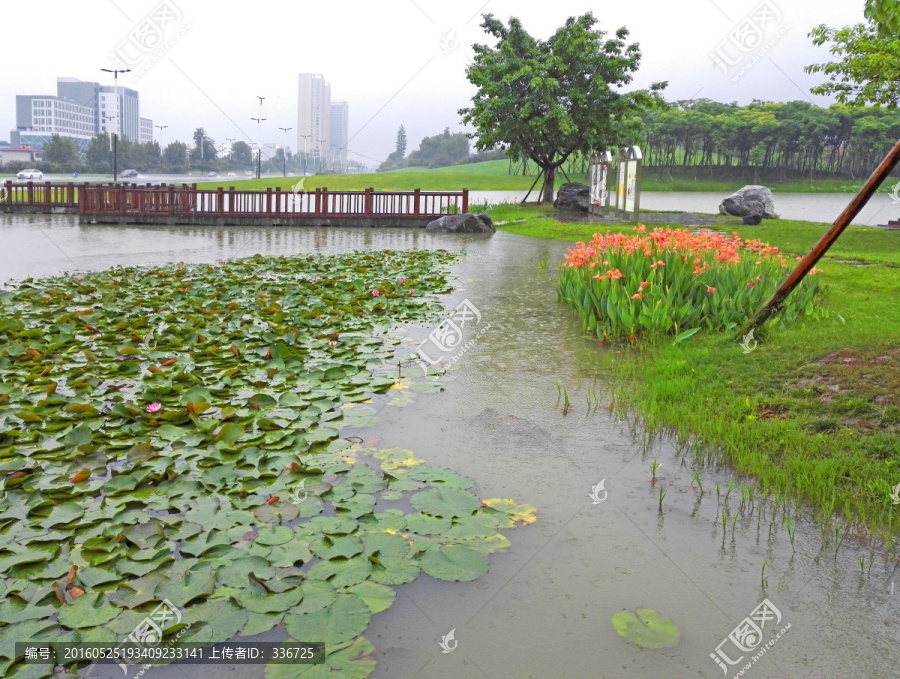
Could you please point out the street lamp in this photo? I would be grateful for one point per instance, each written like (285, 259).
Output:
(321, 151)
(284, 152)
(116, 72)
(259, 134)
(230, 148)
(305, 137)
(160, 128)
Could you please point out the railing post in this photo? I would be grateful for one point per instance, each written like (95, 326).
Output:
(324, 200)
(268, 201)
(465, 197)
(171, 201)
(30, 193)
(231, 208)
(416, 196)
(220, 200)
(368, 203)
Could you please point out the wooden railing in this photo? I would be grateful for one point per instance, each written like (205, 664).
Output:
(44, 194)
(172, 201)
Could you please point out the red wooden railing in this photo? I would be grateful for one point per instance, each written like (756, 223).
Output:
(172, 201)
(44, 194)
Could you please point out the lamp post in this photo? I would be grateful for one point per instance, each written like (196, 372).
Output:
(116, 72)
(160, 128)
(230, 149)
(113, 147)
(259, 135)
(284, 152)
(305, 152)
(321, 150)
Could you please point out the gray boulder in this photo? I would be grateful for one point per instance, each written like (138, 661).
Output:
(464, 223)
(753, 202)
(573, 196)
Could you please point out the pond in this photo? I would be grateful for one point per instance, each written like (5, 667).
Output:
(811, 207)
(544, 608)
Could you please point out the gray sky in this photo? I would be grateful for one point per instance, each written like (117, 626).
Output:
(395, 61)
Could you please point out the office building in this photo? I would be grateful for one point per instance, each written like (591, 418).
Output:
(146, 130)
(80, 110)
(340, 128)
(313, 114)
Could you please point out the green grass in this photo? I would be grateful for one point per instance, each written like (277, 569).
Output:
(814, 412)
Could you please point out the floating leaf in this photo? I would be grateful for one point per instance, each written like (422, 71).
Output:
(90, 610)
(517, 514)
(452, 562)
(343, 620)
(647, 629)
(446, 502)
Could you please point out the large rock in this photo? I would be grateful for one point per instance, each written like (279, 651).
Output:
(753, 202)
(464, 223)
(573, 196)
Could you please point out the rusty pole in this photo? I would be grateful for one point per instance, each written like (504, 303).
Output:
(771, 307)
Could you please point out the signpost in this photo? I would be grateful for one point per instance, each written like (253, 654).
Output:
(599, 177)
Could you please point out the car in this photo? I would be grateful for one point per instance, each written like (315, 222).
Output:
(30, 174)
(212, 174)
(248, 173)
(129, 174)
(231, 174)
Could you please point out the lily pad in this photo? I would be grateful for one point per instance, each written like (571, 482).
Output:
(343, 620)
(647, 628)
(455, 563)
(89, 610)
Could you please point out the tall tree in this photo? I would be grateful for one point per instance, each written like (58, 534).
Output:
(546, 100)
(62, 151)
(400, 150)
(176, 157)
(868, 66)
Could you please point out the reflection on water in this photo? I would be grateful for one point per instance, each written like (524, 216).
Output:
(544, 608)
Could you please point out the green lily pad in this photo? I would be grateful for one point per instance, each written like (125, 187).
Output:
(377, 597)
(89, 610)
(647, 628)
(446, 503)
(455, 563)
(343, 620)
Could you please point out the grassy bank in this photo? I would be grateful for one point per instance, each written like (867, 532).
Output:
(814, 411)
(494, 176)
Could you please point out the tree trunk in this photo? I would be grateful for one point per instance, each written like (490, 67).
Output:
(549, 181)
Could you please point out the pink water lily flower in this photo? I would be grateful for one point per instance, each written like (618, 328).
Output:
(154, 407)
(402, 281)
(412, 292)
(375, 293)
(333, 343)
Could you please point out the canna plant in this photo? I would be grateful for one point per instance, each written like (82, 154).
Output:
(676, 282)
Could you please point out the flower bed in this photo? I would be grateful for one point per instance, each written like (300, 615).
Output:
(676, 281)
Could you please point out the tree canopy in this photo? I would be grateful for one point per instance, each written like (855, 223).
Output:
(868, 65)
(545, 100)
(441, 150)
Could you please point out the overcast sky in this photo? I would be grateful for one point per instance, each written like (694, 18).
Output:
(394, 61)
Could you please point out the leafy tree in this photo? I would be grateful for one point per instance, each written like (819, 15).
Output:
(397, 158)
(176, 157)
(868, 69)
(240, 153)
(98, 156)
(885, 14)
(206, 153)
(547, 100)
(62, 151)
(441, 150)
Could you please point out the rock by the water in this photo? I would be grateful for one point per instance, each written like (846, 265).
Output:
(753, 202)
(464, 223)
(573, 196)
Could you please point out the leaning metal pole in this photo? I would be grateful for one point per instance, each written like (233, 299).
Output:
(771, 307)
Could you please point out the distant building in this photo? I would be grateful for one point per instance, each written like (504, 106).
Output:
(9, 154)
(340, 132)
(313, 114)
(146, 130)
(80, 110)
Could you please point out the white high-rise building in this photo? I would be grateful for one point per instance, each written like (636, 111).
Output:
(340, 132)
(313, 114)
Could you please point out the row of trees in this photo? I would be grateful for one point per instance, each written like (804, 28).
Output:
(441, 150)
(796, 137)
(63, 155)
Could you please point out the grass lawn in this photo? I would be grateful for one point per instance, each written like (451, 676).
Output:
(814, 412)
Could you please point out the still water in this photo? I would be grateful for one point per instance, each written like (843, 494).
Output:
(811, 207)
(544, 608)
